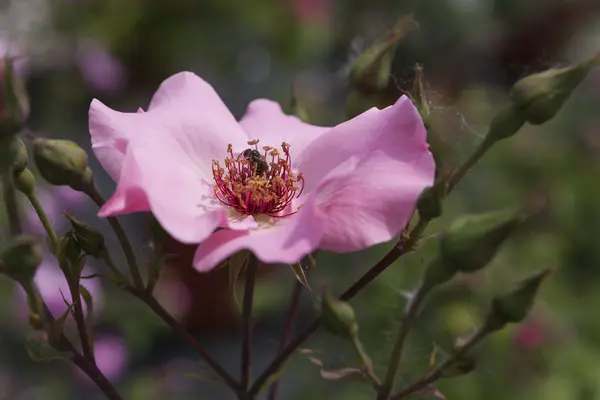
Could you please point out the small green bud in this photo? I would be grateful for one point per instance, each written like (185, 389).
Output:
(540, 96)
(90, 240)
(338, 316)
(513, 307)
(14, 101)
(20, 158)
(25, 182)
(505, 124)
(68, 252)
(419, 96)
(460, 366)
(473, 240)
(20, 259)
(371, 72)
(429, 204)
(62, 162)
(437, 273)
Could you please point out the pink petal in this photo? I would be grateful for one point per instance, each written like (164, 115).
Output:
(287, 241)
(265, 120)
(167, 167)
(185, 107)
(368, 174)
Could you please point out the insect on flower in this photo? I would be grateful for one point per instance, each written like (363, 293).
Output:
(258, 161)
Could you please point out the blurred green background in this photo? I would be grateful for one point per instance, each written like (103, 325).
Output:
(70, 51)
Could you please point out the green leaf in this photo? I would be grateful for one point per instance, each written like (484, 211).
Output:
(56, 328)
(237, 264)
(39, 350)
(89, 303)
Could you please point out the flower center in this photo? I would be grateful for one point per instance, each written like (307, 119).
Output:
(258, 183)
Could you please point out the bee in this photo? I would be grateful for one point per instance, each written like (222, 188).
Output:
(257, 161)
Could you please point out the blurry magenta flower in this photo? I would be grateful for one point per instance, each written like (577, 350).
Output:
(51, 283)
(99, 67)
(311, 10)
(196, 168)
(56, 200)
(111, 356)
(530, 335)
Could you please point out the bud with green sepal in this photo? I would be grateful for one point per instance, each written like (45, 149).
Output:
(14, 101)
(20, 259)
(540, 96)
(473, 240)
(68, 253)
(62, 162)
(514, 306)
(429, 204)
(25, 182)
(371, 71)
(505, 124)
(338, 316)
(90, 240)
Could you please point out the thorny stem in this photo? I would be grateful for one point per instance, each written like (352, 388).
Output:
(155, 306)
(86, 346)
(287, 329)
(10, 201)
(43, 217)
(411, 312)
(247, 322)
(438, 372)
(62, 343)
(97, 198)
(405, 245)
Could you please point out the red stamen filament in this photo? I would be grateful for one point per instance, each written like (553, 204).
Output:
(246, 187)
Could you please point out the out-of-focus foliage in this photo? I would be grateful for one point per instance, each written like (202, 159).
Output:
(472, 51)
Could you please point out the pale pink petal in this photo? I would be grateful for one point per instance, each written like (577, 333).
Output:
(287, 241)
(184, 107)
(173, 187)
(368, 174)
(265, 120)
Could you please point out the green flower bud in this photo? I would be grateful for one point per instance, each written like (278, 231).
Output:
(473, 240)
(540, 96)
(19, 162)
(513, 307)
(437, 273)
(371, 72)
(505, 124)
(460, 366)
(338, 316)
(20, 259)
(429, 204)
(90, 240)
(62, 162)
(14, 101)
(419, 96)
(68, 253)
(25, 182)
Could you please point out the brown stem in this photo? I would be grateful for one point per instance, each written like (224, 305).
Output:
(411, 312)
(180, 329)
(287, 329)
(402, 247)
(86, 346)
(91, 370)
(97, 198)
(438, 372)
(247, 322)
(10, 202)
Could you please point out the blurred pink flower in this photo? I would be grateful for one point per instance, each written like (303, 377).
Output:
(11, 50)
(53, 286)
(56, 200)
(111, 356)
(529, 335)
(99, 67)
(311, 10)
(341, 188)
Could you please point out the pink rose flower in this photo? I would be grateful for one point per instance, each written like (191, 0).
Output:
(187, 159)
